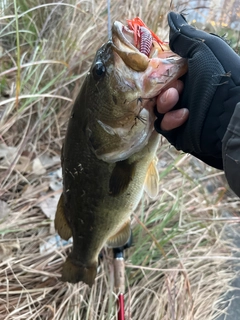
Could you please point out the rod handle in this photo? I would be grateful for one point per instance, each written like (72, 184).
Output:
(119, 275)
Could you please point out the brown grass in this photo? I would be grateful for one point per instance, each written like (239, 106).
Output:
(179, 265)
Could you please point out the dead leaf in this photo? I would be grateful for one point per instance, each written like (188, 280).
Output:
(37, 167)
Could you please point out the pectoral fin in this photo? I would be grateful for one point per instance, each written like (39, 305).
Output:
(121, 237)
(60, 222)
(152, 180)
(121, 176)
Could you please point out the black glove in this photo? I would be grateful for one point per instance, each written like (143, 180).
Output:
(211, 91)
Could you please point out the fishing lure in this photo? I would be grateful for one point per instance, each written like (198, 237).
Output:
(143, 36)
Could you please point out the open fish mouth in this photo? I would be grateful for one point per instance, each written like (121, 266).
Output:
(137, 45)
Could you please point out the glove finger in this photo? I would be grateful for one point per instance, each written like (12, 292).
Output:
(178, 25)
(186, 41)
(183, 37)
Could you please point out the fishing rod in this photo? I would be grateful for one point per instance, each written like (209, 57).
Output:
(119, 276)
(109, 19)
(119, 279)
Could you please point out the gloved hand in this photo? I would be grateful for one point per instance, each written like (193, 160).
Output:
(211, 91)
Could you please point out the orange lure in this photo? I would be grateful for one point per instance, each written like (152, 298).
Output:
(143, 36)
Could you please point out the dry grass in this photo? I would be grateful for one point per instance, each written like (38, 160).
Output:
(178, 266)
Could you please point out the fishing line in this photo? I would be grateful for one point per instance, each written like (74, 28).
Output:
(109, 20)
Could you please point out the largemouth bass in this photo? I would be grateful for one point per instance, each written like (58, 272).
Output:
(109, 152)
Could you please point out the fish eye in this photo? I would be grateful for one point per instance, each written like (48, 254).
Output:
(99, 70)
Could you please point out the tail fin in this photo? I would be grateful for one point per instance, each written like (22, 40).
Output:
(72, 272)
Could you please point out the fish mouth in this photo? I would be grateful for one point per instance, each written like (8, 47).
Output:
(123, 39)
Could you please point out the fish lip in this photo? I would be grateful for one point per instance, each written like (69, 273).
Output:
(117, 30)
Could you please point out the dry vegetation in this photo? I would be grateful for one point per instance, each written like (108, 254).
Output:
(178, 266)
